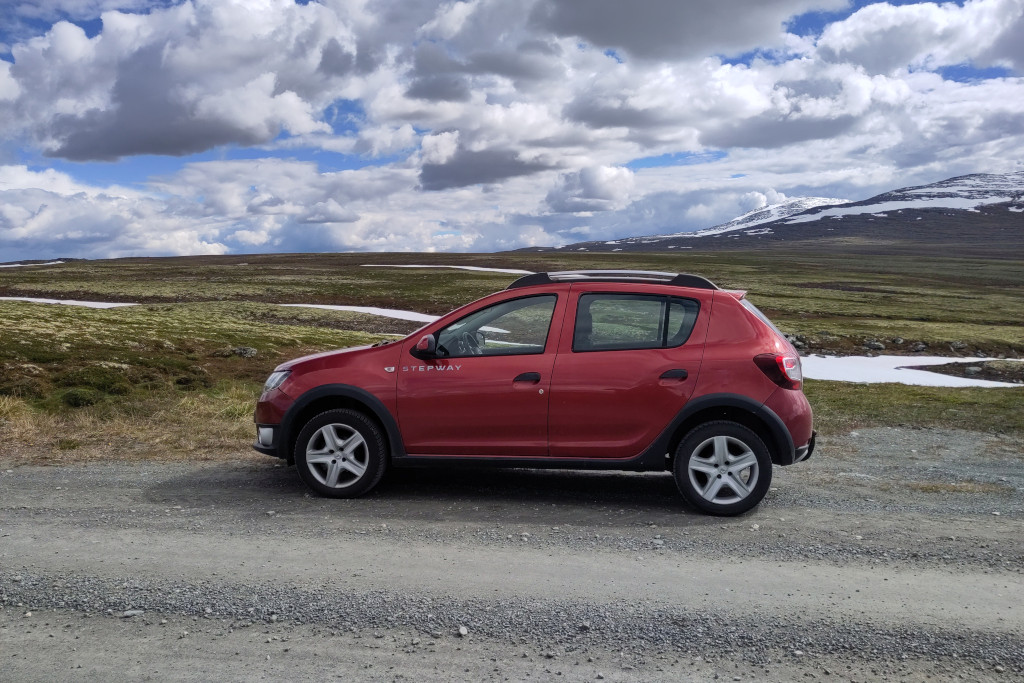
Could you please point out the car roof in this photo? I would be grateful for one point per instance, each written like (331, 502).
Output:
(628, 276)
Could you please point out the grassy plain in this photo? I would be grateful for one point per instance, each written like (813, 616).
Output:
(178, 376)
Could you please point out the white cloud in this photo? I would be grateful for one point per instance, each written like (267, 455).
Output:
(883, 38)
(439, 148)
(595, 188)
(669, 29)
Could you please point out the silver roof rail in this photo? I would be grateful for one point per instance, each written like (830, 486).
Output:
(651, 276)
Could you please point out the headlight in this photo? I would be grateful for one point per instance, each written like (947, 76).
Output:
(275, 380)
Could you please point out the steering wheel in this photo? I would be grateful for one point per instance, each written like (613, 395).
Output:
(470, 344)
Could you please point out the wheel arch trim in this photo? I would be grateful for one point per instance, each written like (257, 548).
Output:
(364, 399)
(779, 442)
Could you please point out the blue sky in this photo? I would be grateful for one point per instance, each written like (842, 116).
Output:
(130, 127)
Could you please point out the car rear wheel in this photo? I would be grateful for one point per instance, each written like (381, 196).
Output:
(723, 468)
(341, 454)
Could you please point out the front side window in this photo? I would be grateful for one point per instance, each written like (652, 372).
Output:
(606, 322)
(512, 327)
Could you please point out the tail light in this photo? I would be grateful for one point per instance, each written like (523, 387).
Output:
(781, 368)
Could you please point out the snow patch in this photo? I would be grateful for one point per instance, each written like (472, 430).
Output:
(22, 265)
(962, 203)
(66, 302)
(373, 310)
(512, 271)
(896, 369)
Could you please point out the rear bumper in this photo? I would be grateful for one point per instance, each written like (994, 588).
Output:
(805, 452)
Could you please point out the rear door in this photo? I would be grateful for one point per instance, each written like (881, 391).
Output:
(628, 361)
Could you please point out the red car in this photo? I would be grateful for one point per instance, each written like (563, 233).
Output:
(620, 370)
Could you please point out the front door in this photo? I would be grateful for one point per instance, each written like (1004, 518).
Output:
(487, 392)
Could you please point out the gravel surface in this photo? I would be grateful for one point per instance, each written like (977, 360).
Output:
(892, 554)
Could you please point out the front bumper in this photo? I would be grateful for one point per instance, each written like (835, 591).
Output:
(266, 440)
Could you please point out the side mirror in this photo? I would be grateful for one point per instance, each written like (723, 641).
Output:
(426, 347)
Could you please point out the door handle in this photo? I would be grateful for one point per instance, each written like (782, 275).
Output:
(528, 377)
(678, 373)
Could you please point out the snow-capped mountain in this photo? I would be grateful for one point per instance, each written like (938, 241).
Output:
(981, 213)
(747, 221)
(964, 193)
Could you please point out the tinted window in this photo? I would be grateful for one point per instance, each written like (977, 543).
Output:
(512, 327)
(632, 321)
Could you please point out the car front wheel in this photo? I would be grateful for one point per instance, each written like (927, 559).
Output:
(341, 454)
(723, 468)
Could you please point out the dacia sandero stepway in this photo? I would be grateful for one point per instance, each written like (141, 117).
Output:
(620, 370)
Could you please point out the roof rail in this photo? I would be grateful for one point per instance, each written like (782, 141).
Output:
(654, 277)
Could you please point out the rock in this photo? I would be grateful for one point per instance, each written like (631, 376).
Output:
(958, 345)
(918, 347)
(129, 613)
(972, 370)
(874, 345)
(242, 351)
(897, 340)
(463, 632)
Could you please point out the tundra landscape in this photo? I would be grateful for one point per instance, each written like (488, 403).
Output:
(140, 536)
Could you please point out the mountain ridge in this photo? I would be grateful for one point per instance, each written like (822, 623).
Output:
(979, 213)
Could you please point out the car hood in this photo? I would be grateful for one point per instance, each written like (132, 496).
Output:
(319, 356)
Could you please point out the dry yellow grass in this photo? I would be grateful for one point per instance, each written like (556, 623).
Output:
(202, 426)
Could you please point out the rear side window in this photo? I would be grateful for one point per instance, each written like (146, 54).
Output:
(607, 322)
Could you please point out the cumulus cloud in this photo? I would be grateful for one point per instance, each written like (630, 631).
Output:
(883, 38)
(596, 188)
(467, 167)
(51, 215)
(145, 85)
(669, 29)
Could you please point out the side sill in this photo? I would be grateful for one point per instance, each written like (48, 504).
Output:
(642, 463)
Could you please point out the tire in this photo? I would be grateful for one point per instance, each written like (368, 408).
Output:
(723, 468)
(341, 454)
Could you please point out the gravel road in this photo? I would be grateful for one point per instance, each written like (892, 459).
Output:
(893, 554)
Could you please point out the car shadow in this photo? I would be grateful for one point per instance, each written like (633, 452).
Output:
(440, 493)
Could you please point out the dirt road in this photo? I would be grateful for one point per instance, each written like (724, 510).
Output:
(893, 554)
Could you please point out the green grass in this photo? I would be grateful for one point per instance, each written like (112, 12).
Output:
(842, 406)
(936, 300)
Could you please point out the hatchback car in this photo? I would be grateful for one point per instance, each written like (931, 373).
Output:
(618, 370)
